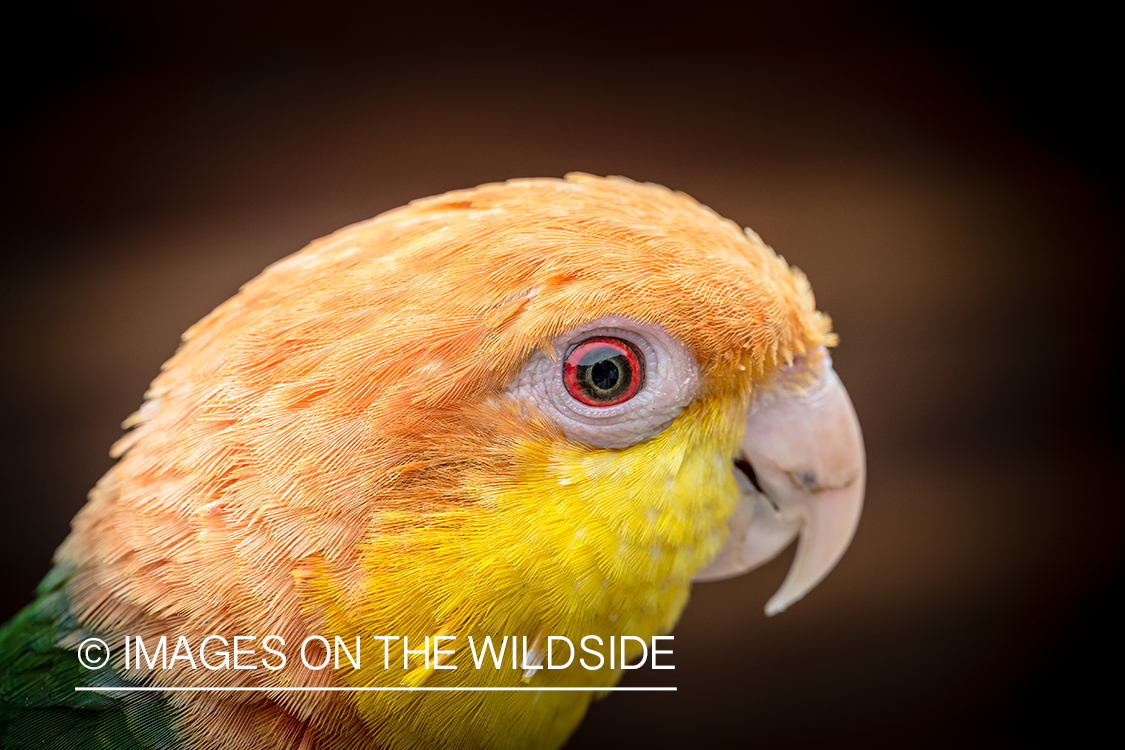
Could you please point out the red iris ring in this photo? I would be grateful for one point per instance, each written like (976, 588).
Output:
(590, 364)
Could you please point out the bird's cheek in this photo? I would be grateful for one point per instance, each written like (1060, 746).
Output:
(806, 451)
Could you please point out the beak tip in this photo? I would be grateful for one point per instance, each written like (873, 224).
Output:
(775, 608)
(788, 595)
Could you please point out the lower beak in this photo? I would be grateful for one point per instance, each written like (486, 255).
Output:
(805, 449)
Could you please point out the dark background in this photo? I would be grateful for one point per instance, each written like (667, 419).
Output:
(950, 180)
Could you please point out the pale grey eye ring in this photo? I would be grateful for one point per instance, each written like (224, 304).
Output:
(671, 380)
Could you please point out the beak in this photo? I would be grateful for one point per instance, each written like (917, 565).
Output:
(805, 449)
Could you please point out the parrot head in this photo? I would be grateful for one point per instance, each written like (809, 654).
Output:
(535, 408)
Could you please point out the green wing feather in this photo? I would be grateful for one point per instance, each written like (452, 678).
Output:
(39, 707)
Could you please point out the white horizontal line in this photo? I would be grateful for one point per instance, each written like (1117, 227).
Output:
(151, 689)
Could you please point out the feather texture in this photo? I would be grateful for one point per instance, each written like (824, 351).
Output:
(327, 453)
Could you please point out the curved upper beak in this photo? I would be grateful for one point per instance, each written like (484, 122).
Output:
(805, 448)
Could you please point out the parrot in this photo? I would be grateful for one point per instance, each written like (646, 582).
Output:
(537, 409)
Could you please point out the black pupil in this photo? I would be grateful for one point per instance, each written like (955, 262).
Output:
(604, 373)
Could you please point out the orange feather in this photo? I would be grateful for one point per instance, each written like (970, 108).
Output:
(357, 375)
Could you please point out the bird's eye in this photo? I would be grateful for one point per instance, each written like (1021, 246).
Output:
(603, 371)
(611, 382)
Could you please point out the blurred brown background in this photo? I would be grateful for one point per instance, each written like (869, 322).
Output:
(950, 183)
